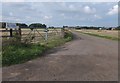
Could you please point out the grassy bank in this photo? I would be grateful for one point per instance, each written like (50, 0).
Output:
(17, 53)
(101, 35)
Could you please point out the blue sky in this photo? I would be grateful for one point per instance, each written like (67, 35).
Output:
(62, 13)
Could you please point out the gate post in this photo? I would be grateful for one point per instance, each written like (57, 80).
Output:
(20, 31)
(62, 32)
(11, 35)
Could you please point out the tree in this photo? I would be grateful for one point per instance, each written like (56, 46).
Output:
(44, 26)
(52, 27)
(22, 25)
(118, 28)
(2, 25)
(37, 25)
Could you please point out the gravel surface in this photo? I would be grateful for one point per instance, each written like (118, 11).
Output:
(86, 58)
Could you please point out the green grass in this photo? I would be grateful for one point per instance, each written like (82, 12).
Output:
(17, 53)
(59, 41)
(102, 36)
(0, 58)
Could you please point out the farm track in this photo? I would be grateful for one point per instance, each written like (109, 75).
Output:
(86, 58)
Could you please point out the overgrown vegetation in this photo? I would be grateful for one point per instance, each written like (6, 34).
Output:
(59, 41)
(14, 54)
(17, 53)
(68, 36)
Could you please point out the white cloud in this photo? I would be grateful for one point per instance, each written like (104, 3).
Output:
(62, 14)
(113, 10)
(97, 16)
(11, 14)
(66, 13)
(47, 17)
(0, 17)
(28, 17)
(71, 7)
(13, 0)
(89, 10)
(59, 0)
(11, 19)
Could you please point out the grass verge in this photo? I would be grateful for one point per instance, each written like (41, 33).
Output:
(102, 36)
(19, 52)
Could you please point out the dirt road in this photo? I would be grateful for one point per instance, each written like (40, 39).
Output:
(86, 58)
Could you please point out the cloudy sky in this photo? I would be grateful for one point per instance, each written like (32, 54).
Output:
(61, 13)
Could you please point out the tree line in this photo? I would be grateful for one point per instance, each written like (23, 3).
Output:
(40, 25)
(23, 25)
(97, 28)
(118, 28)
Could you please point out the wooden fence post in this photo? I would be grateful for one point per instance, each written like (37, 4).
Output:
(11, 35)
(20, 33)
(62, 32)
